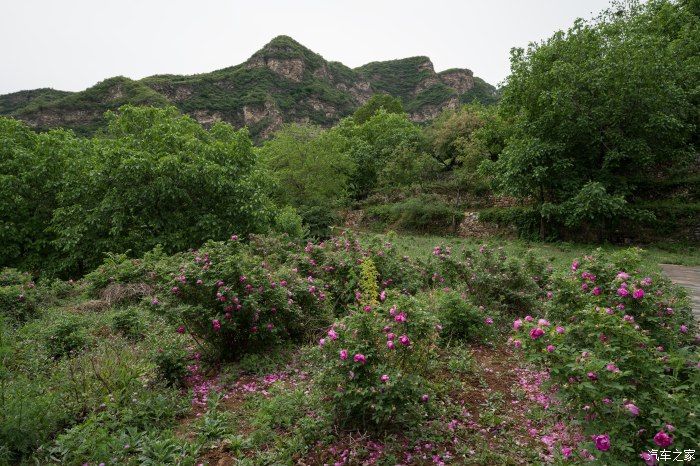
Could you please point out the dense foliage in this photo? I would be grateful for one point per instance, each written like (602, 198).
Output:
(599, 111)
(154, 178)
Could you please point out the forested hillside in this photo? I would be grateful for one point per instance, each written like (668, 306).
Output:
(281, 83)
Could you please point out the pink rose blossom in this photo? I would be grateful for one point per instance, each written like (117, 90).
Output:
(632, 409)
(648, 458)
(361, 358)
(612, 367)
(663, 439)
(343, 354)
(536, 333)
(602, 442)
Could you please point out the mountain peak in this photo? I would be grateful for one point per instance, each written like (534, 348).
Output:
(284, 47)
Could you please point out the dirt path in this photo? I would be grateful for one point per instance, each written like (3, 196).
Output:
(689, 277)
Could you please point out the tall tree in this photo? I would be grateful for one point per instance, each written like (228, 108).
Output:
(612, 101)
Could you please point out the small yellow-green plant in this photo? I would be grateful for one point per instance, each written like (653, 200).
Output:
(369, 288)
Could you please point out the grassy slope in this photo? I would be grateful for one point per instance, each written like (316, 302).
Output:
(558, 254)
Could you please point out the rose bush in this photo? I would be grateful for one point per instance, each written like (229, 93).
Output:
(462, 320)
(336, 261)
(238, 300)
(374, 363)
(18, 296)
(618, 356)
(615, 282)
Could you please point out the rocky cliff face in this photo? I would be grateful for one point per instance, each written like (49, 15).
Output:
(283, 82)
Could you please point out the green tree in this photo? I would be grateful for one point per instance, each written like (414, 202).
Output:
(156, 178)
(451, 135)
(376, 144)
(307, 166)
(378, 101)
(31, 167)
(611, 101)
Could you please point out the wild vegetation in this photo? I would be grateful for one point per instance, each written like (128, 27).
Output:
(173, 293)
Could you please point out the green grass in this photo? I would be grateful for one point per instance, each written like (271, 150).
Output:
(558, 254)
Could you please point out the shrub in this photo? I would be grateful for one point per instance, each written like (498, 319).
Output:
(461, 319)
(18, 296)
(240, 302)
(290, 222)
(29, 414)
(319, 219)
(369, 289)
(374, 363)
(492, 279)
(129, 324)
(66, 337)
(616, 381)
(120, 194)
(422, 214)
(614, 281)
(336, 262)
(171, 361)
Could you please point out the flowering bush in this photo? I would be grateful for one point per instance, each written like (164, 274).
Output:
(238, 301)
(615, 283)
(374, 363)
(619, 348)
(491, 278)
(336, 262)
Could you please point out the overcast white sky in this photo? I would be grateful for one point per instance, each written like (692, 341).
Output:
(72, 44)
